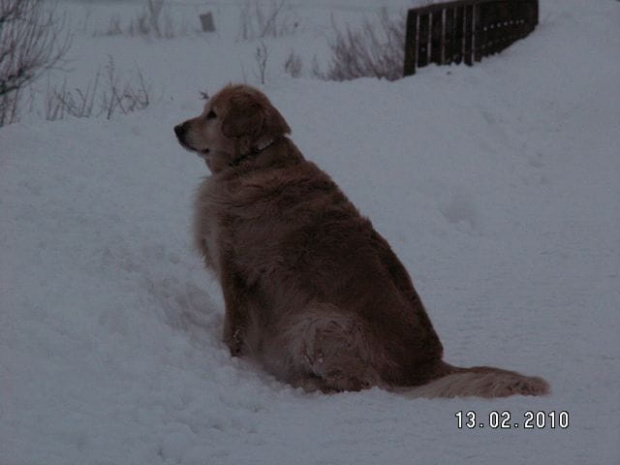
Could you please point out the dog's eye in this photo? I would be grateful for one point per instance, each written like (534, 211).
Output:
(211, 115)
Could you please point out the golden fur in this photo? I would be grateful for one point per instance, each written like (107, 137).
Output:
(311, 290)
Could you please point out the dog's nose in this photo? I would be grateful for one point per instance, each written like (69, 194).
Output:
(180, 130)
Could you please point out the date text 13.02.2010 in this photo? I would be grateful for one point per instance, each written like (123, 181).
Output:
(505, 420)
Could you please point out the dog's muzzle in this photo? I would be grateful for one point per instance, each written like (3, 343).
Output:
(180, 130)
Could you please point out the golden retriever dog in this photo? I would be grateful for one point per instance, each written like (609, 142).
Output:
(312, 292)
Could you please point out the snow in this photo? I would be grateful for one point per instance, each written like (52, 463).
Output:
(497, 186)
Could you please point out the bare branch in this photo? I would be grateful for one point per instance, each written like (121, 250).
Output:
(30, 45)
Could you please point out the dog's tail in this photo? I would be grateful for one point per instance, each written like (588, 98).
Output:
(485, 382)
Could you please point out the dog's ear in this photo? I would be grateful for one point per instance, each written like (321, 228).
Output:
(252, 121)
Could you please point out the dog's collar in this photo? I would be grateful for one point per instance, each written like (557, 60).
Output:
(260, 148)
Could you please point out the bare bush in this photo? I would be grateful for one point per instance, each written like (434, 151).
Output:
(150, 22)
(84, 25)
(31, 43)
(105, 95)
(124, 97)
(79, 103)
(376, 49)
(293, 65)
(261, 56)
(153, 20)
(259, 21)
(115, 27)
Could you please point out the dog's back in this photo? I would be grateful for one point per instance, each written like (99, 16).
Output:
(313, 264)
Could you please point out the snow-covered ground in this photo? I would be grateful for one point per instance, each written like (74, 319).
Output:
(497, 185)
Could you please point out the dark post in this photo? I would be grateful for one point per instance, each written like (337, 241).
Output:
(411, 43)
(469, 34)
(459, 34)
(437, 37)
(448, 35)
(206, 21)
(480, 32)
(423, 39)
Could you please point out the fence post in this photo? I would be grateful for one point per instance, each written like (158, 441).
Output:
(448, 35)
(468, 18)
(459, 33)
(411, 43)
(437, 37)
(480, 31)
(423, 39)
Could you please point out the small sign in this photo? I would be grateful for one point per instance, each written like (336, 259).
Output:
(206, 20)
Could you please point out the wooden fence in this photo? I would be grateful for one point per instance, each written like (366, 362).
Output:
(465, 31)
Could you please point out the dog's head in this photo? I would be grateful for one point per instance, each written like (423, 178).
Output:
(236, 122)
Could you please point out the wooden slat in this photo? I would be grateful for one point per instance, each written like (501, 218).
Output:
(480, 32)
(502, 31)
(448, 31)
(459, 34)
(437, 37)
(423, 39)
(411, 43)
(468, 50)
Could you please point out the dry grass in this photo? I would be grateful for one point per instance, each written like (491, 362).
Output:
(293, 65)
(258, 20)
(153, 21)
(105, 95)
(376, 49)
